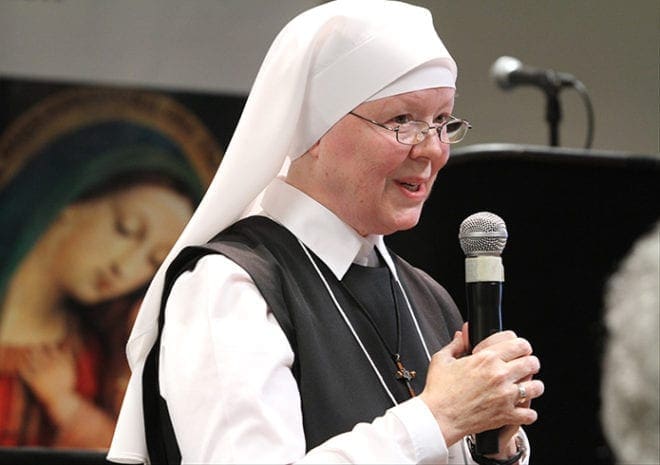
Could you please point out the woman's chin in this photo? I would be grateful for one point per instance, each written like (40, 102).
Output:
(400, 223)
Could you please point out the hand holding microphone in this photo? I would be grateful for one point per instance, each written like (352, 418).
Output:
(483, 386)
(482, 237)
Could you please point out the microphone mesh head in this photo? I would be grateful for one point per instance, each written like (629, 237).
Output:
(502, 68)
(482, 233)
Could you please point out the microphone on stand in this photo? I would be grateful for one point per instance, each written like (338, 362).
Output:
(482, 237)
(509, 72)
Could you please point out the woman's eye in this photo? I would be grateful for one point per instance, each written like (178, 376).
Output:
(442, 119)
(129, 226)
(401, 119)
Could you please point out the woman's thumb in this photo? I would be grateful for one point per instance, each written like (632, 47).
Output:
(456, 348)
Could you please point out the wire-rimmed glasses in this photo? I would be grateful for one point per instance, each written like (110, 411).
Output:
(450, 131)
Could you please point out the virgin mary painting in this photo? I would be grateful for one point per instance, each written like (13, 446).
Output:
(95, 187)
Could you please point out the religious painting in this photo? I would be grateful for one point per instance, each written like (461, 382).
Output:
(96, 184)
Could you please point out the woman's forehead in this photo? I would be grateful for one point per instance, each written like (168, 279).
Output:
(438, 98)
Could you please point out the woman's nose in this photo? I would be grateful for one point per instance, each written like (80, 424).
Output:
(432, 148)
(132, 266)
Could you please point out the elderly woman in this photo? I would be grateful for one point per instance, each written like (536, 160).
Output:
(295, 335)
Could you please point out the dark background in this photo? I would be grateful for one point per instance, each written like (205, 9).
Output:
(571, 216)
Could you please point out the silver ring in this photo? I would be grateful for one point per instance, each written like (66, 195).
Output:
(522, 393)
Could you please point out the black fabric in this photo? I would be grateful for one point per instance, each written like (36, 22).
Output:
(372, 288)
(337, 385)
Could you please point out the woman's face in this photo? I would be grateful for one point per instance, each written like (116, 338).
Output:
(370, 180)
(115, 243)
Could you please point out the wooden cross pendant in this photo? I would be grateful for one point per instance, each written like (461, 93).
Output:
(404, 374)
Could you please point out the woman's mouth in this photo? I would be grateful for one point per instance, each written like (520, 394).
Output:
(104, 283)
(412, 187)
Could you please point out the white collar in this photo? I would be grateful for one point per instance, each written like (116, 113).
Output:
(333, 241)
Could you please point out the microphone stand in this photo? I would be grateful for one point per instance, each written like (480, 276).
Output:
(552, 86)
(553, 114)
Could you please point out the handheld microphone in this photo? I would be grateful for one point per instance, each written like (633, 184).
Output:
(482, 237)
(509, 72)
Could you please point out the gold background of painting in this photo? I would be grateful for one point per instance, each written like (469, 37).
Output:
(68, 110)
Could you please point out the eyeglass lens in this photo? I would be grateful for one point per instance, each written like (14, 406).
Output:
(415, 132)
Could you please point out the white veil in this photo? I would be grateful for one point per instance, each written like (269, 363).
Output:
(324, 63)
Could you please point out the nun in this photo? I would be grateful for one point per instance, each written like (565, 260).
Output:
(281, 329)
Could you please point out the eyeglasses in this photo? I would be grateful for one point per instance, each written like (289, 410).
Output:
(450, 131)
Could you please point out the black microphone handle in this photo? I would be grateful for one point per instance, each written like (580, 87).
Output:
(484, 308)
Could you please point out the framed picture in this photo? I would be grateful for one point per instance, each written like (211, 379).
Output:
(96, 183)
